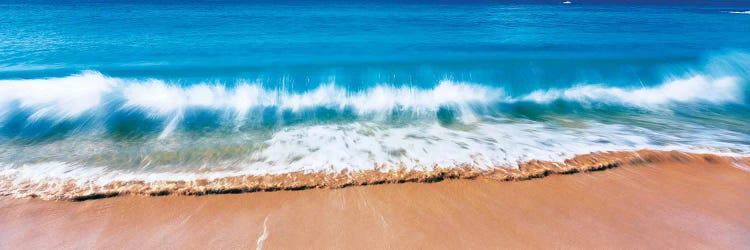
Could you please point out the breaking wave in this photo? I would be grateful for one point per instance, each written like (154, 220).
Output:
(92, 93)
(93, 130)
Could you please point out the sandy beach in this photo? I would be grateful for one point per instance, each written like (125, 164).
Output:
(690, 202)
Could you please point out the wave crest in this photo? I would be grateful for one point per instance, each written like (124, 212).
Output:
(694, 89)
(74, 95)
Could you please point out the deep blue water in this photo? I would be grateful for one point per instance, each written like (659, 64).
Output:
(231, 83)
(515, 46)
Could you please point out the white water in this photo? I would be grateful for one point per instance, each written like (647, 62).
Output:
(368, 146)
(71, 97)
(695, 89)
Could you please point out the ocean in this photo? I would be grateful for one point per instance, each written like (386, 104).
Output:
(96, 92)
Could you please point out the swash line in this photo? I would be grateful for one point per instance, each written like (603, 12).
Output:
(264, 235)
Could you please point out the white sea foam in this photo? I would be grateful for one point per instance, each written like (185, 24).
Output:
(57, 97)
(370, 146)
(162, 98)
(72, 96)
(694, 89)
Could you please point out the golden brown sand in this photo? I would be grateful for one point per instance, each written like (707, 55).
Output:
(670, 201)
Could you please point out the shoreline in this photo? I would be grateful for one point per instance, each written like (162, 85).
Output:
(667, 202)
(71, 191)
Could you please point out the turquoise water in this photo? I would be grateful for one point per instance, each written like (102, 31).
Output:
(134, 90)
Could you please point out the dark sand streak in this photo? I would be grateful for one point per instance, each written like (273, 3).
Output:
(302, 181)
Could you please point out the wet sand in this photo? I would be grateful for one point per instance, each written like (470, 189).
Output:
(678, 203)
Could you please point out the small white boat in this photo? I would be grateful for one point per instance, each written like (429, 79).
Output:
(567, 2)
